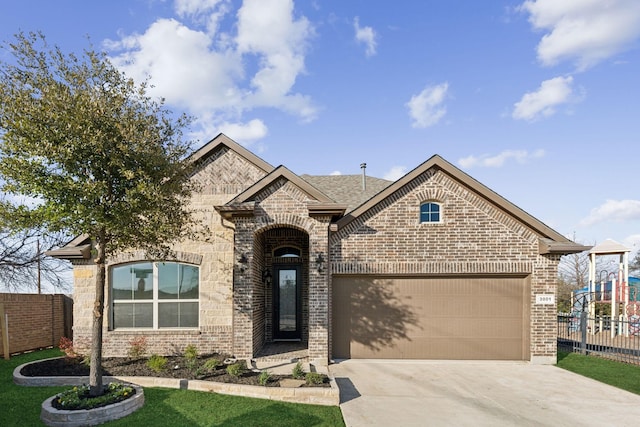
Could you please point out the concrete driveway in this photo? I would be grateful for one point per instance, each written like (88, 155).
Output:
(437, 393)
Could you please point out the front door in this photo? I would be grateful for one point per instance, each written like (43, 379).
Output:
(287, 302)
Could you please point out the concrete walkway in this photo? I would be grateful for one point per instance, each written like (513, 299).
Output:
(444, 393)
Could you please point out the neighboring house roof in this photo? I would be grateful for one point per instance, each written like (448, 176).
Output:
(550, 240)
(347, 189)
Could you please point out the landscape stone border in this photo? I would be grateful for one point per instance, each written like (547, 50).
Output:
(54, 417)
(326, 396)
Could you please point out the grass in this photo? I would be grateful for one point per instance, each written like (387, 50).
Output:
(617, 374)
(166, 407)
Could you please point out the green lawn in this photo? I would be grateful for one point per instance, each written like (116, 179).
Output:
(165, 407)
(621, 375)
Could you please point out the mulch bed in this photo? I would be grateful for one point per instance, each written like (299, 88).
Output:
(125, 366)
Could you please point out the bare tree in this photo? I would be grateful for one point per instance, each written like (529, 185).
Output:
(573, 274)
(634, 264)
(574, 269)
(23, 266)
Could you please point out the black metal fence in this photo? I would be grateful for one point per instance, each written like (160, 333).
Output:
(615, 339)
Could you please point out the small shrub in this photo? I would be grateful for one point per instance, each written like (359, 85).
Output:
(78, 397)
(314, 378)
(157, 363)
(236, 369)
(138, 347)
(66, 345)
(298, 372)
(264, 378)
(211, 364)
(86, 360)
(200, 372)
(191, 354)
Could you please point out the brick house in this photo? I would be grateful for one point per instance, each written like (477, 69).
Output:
(432, 266)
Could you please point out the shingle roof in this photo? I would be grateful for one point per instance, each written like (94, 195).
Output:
(347, 189)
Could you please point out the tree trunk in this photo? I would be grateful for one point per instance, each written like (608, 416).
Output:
(95, 371)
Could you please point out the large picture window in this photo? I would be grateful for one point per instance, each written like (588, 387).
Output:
(155, 295)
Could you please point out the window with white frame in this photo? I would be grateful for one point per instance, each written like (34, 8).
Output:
(431, 212)
(155, 295)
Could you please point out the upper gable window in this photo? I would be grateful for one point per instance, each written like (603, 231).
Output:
(287, 252)
(431, 212)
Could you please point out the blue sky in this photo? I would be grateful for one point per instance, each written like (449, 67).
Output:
(538, 100)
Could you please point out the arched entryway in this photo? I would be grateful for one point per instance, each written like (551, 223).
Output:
(282, 314)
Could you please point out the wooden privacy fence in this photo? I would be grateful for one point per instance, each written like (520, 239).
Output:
(32, 321)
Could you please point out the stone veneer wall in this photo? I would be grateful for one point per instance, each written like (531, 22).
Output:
(474, 237)
(221, 177)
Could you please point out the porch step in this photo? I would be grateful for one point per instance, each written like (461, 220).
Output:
(290, 352)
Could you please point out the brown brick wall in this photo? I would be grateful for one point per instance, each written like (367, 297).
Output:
(475, 237)
(36, 321)
(283, 209)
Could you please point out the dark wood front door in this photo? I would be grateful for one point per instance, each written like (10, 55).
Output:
(287, 302)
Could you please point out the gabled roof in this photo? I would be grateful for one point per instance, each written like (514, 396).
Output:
(323, 204)
(80, 247)
(347, 189)
(223, 140)
(551, 240)
(277, 173)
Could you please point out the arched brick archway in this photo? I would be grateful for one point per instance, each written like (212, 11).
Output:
(255, 308)
(271, 264)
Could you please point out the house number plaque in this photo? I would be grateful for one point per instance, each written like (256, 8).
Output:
(545, 299)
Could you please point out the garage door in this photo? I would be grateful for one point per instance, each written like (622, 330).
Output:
(430, 318)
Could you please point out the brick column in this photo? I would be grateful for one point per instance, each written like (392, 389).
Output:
(319, 292)
(243, 290)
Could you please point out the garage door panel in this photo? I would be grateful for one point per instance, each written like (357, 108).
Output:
(431, 318)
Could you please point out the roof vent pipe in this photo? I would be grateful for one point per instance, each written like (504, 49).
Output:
(363, 166)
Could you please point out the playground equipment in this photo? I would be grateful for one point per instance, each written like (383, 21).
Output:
(613, 288)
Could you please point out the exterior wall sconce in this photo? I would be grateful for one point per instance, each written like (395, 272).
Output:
(319, 262)
(266, 277)
(243, 262)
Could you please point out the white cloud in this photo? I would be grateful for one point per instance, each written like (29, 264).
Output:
(426, 108)
(613, 210)
(487, 161)
(245, 133)
(219, 76)
(395, 173)
(543, 102)
(268, 30)
(632, 242)
(334, 173)
(195, 7)
(183, 67)
(586, 31)
(365, 35)
(207, 12)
